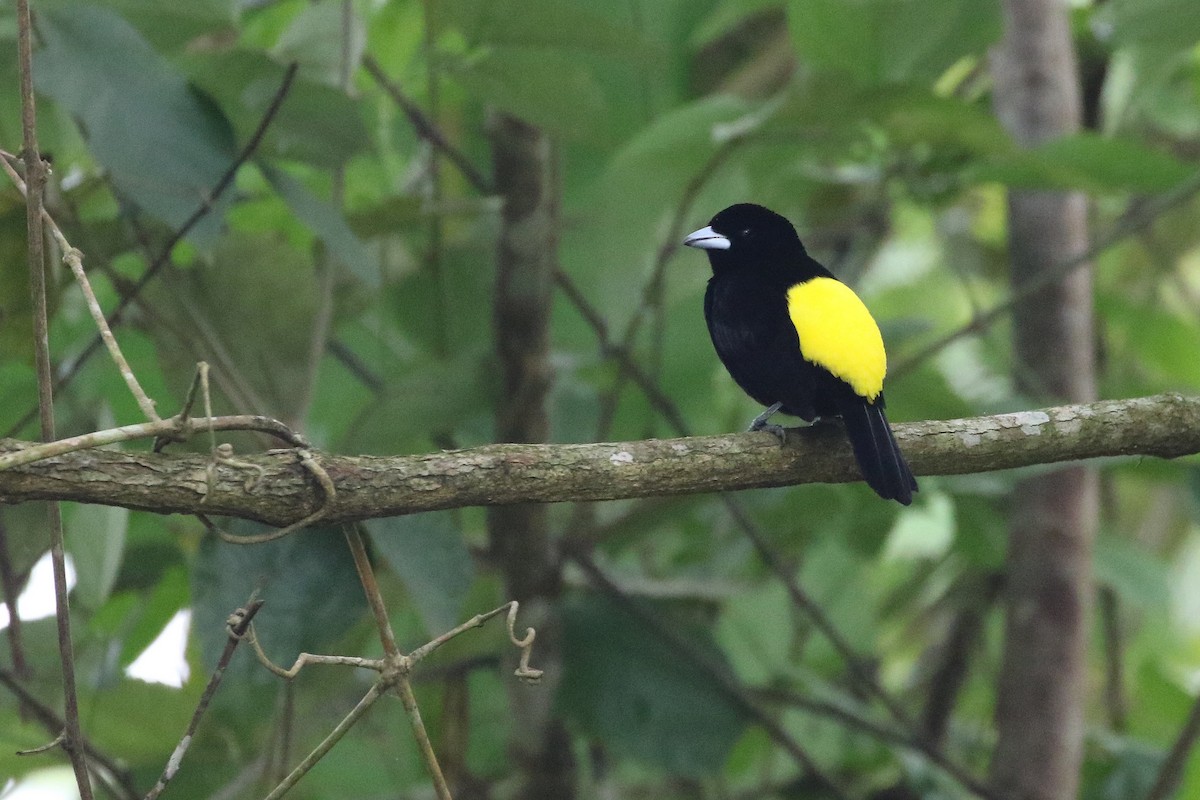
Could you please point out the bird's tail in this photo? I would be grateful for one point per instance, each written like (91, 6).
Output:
(879, 457)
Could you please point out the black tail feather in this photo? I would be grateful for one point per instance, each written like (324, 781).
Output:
(879, 457)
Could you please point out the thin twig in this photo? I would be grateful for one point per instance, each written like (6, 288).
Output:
(1171, 772)
(409, 700)
(626, 363)
(653, 287)
(1114, 659)
(395, 669)
(426, 128)
(173, 427)
(366, 576)
(304, 659)
(236, 625)
(35, 171)
(342, 728)
(115, 776)
(73, 258)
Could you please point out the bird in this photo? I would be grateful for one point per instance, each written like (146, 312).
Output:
(798, 340)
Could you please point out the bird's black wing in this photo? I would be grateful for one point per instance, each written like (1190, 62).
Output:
(757, 344)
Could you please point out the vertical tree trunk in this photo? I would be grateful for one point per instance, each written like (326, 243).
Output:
(519, 535)
(1040, 711)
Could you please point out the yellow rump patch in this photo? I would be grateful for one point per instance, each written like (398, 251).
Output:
(837, 332)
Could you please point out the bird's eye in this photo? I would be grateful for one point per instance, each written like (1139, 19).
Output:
(747, 233)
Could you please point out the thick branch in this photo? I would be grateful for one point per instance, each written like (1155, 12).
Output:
(1165, 425)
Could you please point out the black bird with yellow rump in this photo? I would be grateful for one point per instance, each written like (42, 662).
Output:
(798, 340)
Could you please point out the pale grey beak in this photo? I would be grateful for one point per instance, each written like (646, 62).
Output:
(707, 239)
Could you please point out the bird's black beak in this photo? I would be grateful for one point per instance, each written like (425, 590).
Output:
(707, 239)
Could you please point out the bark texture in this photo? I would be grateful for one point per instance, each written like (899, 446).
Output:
(1039, 713)
(1167, 426)
(519, 535)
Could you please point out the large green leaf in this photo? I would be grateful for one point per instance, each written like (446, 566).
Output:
(629, 688)
(756, 629)
(250, 304)
(317, 123)
(425, 398)
(307, 579)
(95, 538)
(163, 146)
(429, 554)
(890, 41)
(1090, 162)
(327, 224)
(550, 88)
(568, 24)
(1173, 23)
(1136, 575)
(620, 224)
(172, 25)
(315, 39)
(1163, 344)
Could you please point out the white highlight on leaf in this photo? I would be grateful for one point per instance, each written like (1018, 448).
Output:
(37, 601)
(163, 661)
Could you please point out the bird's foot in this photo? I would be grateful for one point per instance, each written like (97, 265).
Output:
(760, 424)
(778, 431)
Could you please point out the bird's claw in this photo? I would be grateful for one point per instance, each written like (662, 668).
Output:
(760, 424)
(778, 431)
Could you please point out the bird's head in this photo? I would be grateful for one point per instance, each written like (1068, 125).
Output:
(747, 235)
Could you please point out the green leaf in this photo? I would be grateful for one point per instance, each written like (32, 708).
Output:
(317, 124)
(1136, 575)
(163, 146)
(1129, 769)
(629, 688)
(327, 224)
(314, 39)
(755, 628)
(172, 25)
(95, 538)
(1164, 22)
(673, 149)
(571, 25)
(891, 41)
(726, 16)
(1163, 344)
(429, 554)
(1090, 162)
(307, 579)
(924, 531)
(549, 88)
(252, 301)
(425, 398)
(141, 720)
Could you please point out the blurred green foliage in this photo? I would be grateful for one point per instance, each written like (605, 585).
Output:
(868, 123)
